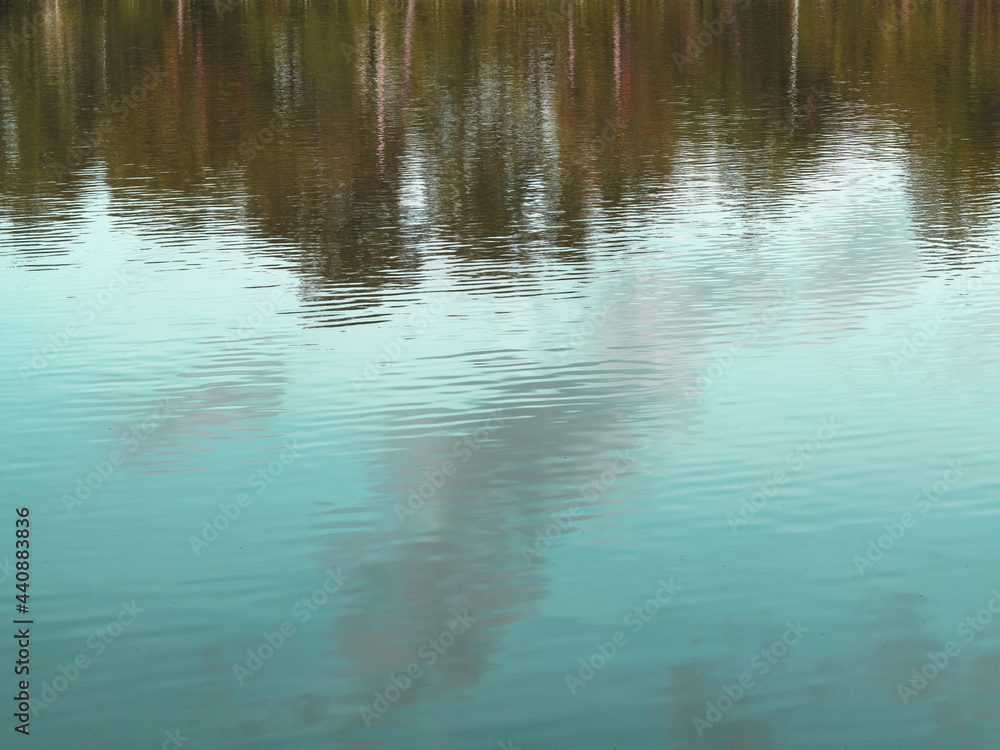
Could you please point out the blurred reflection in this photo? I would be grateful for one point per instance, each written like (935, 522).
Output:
(487, 131)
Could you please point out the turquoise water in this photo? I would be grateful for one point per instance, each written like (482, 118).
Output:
(710, 465)
(509, 383)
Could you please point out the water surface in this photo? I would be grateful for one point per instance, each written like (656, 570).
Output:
(535, 333)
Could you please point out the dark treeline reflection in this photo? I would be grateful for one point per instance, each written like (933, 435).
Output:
(359, 130)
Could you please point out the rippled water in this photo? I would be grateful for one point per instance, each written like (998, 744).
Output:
(504, 375)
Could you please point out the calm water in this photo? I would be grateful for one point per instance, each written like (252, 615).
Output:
(606, 375)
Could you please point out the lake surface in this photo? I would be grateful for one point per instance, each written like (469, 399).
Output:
(605, 375)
